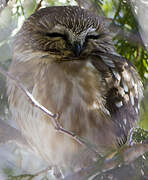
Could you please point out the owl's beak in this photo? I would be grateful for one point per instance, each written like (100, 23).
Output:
(77, 48)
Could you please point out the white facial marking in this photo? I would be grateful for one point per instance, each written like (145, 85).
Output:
(91, 29)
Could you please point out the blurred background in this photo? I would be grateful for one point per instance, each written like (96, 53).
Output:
(127, 21)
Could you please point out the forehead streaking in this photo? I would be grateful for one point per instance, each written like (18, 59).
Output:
(72, 17)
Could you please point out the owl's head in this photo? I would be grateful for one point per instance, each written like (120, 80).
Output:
(63, 31)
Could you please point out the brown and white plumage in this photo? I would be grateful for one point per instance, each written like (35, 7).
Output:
(65, 57)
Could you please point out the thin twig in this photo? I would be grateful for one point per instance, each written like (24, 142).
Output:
(91, 6)
(124, 156)
(43, 171)
(22, 9)
(27, 94)
(54, 117)
(31, 176)
(38, 6)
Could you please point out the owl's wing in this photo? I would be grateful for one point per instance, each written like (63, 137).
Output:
(124, 92)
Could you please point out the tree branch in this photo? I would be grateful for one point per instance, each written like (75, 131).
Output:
(53, 117)
(122, 33)
(38, 6)
(124, 156)
(91, 5)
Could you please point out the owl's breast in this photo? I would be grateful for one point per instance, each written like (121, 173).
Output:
(76, 92)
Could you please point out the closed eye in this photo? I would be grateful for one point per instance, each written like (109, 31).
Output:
(94, 36)
(52, 35)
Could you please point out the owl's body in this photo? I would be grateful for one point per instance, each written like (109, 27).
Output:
(56, 57)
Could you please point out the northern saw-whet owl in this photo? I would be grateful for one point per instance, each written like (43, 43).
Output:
(65, 57)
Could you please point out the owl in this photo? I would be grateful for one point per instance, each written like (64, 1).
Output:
(65, 57)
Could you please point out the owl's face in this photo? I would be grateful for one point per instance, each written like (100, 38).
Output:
(68, 32)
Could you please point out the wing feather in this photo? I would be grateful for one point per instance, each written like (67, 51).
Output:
(124, 92)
